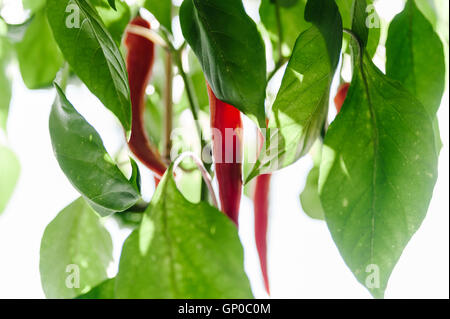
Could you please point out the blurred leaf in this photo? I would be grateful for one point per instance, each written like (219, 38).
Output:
(9, 175)
(5, 80)
(85, 161)
(162, 10)
(309, 198)
(16, 32)
(33, 5)
(292, 23)
(231, 51)
(198, 82)
(75, 252)
(5, 95)
(182, 250)
(38, 54)
(92, 54)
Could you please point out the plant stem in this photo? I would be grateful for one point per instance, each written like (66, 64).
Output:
(193, 104)
(168, 115)
(280, 30)
(281, 59)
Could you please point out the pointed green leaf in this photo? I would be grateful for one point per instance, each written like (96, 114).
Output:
(377, 174)
(75, 252)
(9, 174)
(85, 161)
(182, 250)
(92, 54)
(230, 50)
(38, 54)
(301, 106)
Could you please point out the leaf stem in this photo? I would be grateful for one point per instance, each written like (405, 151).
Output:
(356, 38)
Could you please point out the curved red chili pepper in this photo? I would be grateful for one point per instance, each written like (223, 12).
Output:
(140, 59)
(226, 119)
(261, 209)
(341, 95)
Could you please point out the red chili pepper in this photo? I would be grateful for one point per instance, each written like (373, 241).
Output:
(341, 95)
(226, 119)
(140, 59)
(261, 209)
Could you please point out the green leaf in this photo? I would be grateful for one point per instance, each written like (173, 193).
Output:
(92, 54)
(75, 252)
(415, 57)
(33, 5)
(38, 54)
(103, 291)
(9, 175)
(182, 250)
(85, 161)
(301, 105)
(230, 50)
(292, 23)
(162, 10)
(377, 174)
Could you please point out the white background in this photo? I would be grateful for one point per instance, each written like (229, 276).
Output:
(304, 262)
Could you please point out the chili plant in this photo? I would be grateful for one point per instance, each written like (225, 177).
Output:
(375, 162)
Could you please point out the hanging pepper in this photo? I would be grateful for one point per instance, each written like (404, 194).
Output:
(341, 95)
(261, 209)
(261, 214)
(140, 59)
(226, 122)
